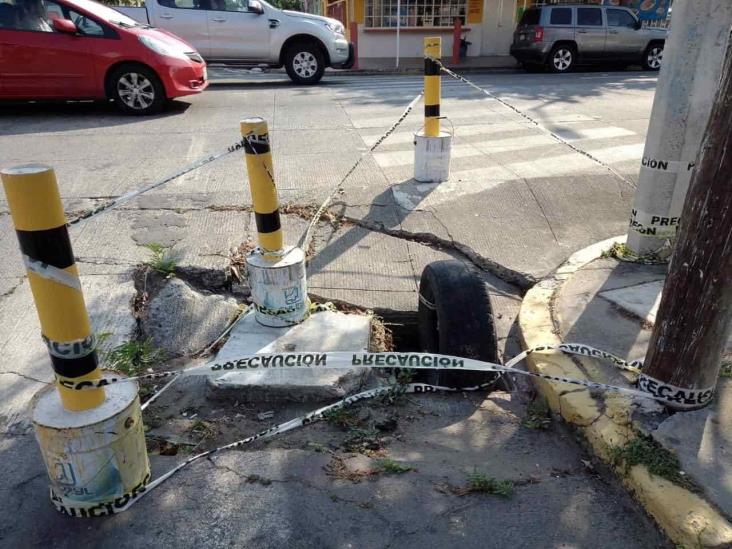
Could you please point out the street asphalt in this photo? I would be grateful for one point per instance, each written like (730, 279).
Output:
(517, 204)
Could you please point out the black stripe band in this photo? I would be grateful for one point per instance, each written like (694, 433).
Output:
(256, 144)
(431, 110)
(51, 246)
(431, 68)
(75, 367)
(269, 222)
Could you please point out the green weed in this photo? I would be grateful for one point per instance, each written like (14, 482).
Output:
(480, 482)
(391, 467)
(134, 357)
(539, 415)
(340, 417)
(163, 261)
(726, 370)
(644, 450)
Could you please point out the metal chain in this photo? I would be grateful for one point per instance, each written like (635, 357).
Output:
(132, 194)
(306, 238)
(536, 123)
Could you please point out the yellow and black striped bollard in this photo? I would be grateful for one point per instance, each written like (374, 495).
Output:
(40, 224)
(432, 50)
(261, 181)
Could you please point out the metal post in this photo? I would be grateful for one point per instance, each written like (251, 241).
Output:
(686, 86)
(432, 50)
(456, 32)
(40, 224)
(276, 273)
(695, 314)
(398, 28)
(261, 181)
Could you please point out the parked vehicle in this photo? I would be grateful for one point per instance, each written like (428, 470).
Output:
(252, 32)
(79, 49)
(563, 35)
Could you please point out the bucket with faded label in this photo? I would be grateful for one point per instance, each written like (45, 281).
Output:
(94, 458)
(279, 290)
(432, 157)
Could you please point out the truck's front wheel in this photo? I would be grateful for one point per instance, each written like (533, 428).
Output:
(304, 63)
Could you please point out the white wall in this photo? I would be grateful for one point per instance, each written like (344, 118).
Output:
(498, 26)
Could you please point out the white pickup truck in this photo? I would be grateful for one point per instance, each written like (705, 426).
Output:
(252, 32)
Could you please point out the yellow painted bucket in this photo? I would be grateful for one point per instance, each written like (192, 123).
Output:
(96, 459)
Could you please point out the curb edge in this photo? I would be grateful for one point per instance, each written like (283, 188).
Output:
(686, 518)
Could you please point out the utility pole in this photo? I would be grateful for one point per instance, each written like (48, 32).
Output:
(692, 62)
(695, 314)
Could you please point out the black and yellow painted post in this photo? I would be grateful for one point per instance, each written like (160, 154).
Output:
(432, 50)
(261, 181)
(40, 224)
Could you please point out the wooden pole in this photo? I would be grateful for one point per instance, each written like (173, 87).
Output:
(695, 314)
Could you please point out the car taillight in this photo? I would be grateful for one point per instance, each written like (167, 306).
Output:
(539, 34)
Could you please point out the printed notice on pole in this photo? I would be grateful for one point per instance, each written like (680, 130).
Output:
(654, 225)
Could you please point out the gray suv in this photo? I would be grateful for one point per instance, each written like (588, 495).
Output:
(561, 36)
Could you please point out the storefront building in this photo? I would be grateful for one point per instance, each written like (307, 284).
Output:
(375, 25)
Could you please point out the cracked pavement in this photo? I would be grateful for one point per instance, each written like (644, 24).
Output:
(517, 204)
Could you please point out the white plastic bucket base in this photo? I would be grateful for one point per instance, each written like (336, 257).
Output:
(279, 290)
(92, 456)
(432, 157)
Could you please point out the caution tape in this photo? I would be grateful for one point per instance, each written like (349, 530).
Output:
(307, 236)
(416, 361)
(49, 272)
(534, 122)
(345, 359)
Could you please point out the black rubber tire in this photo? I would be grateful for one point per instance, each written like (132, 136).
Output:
(647, 54)
(455, 318)
(304, 48)
(550, 59)
(159, 99)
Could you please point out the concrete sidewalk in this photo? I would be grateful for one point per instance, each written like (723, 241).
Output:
(601, 301)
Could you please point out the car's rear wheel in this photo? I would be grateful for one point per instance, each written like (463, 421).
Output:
(653, 57)
(304, 63)
(561, 58)
(136, 89)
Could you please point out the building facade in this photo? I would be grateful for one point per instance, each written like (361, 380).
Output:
(375, 25)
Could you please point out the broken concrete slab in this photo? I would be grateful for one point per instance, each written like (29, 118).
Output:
(183, 321)
(322, 331)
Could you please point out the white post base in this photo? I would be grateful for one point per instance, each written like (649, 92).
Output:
(432, 157)
(279, 289)
(96, 459)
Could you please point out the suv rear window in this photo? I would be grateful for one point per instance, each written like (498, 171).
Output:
(530, 17)
(561, 16)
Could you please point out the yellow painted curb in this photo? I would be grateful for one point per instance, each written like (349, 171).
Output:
(685, 517)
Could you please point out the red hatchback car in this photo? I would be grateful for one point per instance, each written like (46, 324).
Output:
(79, 49)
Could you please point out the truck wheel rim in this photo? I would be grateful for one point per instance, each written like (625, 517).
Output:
(305, 64)
(655, 56)
(135, 90)
(562, 59)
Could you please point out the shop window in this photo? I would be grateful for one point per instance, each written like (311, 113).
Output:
(414, 13)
